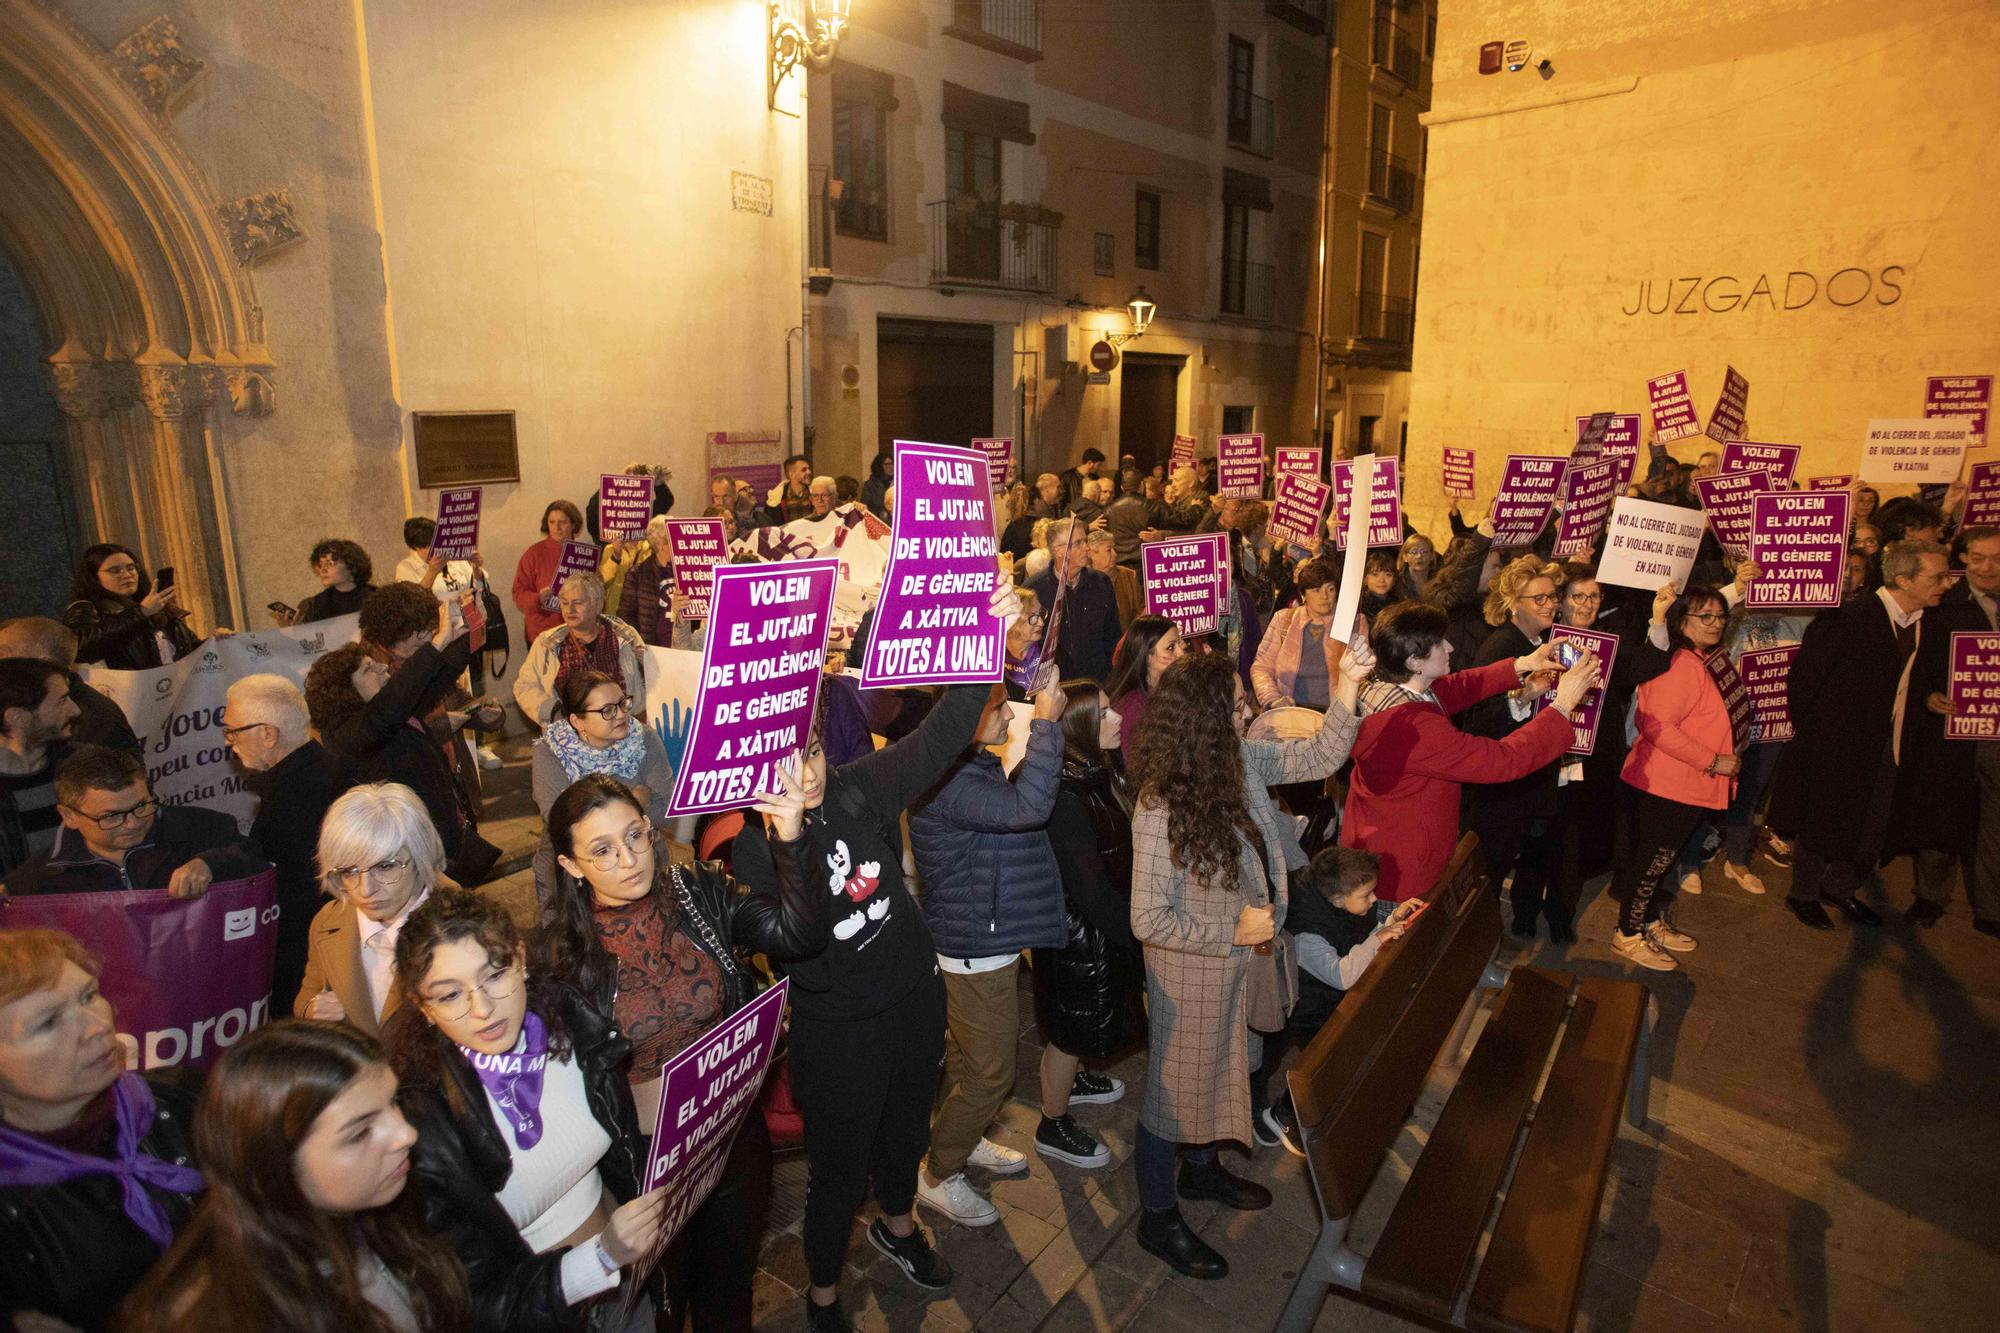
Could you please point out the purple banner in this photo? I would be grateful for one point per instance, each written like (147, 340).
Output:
(1725, 498)
(1781, 461)
(696, 546)
(1798, 541)
(1975, 687)
(1961, 396)
(1585, 717)
(1982, 497)
(1588, 494)
(1187, 580)
(1674, 417)
(1837, 481)
(624, 506)
(457, 523)
(999, 459)
(1765, 672)
(574, 558)
(1726, 421)
(1303, 458)
(186, 977)
(1385, 503)
(933, 625)
(1182, 455)
(1239, 465)
(1298, 508)
(1460, 469)
(1528, 488)
(1590, 438)
(760, 675)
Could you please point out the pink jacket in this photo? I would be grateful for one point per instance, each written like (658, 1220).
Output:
(1275, 672)
(1683, 724)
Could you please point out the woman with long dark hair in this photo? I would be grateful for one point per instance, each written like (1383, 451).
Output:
(119, 618)
(1148, 647)
(1087, 993)
(658, 946)
(1208, 887)
(306, 1225)
(595, 732)
(528, 1150)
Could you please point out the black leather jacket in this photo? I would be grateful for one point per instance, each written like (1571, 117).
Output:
(69, 1250)
(1088, 994)
(788, 925)
(117, 632)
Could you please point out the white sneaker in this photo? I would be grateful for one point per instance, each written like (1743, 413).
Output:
(1001, 1161)
(1743, 877)
(1665, 937)
(1691, 882)
(957, 1200)
(487, 759)
(1633, 948)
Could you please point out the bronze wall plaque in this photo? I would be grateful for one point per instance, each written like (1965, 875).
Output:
(464, 448)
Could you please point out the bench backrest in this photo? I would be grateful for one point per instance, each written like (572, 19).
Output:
(1357, 1081)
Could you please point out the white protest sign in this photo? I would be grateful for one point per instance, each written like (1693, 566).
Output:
(1354, 566)
(1648, 544)
(1915, 450)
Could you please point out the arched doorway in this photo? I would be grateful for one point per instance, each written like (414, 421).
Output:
(148, 321)
(35, 504)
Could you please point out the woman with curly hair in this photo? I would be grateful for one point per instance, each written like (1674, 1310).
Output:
(1208, 887)
(306, 1224)
(344, 571)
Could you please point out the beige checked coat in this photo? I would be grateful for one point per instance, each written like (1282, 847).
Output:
(1198, 1059)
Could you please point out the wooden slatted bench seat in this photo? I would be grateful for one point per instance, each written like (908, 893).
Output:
(1519, 1154)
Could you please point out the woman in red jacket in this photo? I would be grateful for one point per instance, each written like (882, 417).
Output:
(1409, 760)
(534, 577)
(1694, 722)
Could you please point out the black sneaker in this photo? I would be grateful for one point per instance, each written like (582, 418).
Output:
(1067, 1141)
(1090, 1087)
(913, 1254)
(1264, 1129)
(1280, 1121)
(827, 1318)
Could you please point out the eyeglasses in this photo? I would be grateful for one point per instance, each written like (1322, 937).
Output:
(349, 877)
(112, 819)
(1708, 617)
(118, 569)
(456, 1002)
(610, 712)
(227, 732)
(1538, 598)
(635, 841)
(1587, 599)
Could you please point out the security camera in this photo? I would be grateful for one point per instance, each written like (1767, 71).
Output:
(1544, 64)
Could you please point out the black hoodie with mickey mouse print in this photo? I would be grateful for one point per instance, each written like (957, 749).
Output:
(877, 946)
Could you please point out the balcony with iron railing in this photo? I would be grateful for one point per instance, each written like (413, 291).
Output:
(994, 245)
(1250, 122)
(1011, 27)
(1390, 180)
(1395, 48)
(1383, 319)
(1307, 15)
(1247, 288)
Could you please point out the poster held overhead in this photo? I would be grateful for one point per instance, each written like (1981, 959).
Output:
(1588, 493)
(1798, 541)
(1385, 520)
(932, 625)
(1239, 465)
(1727, 420)
(1460, 469)
(1725, 498)
(1298, 508)
(1969, 396)
(696, 546)
(1781, 461)
(1182, 455)
(1674, 417)
(1648, 544)
(1000, 458)
(1915, 451)
(624, 506)
(457, 535)
(1529, 485)
(1982, 497)
(1304, 459)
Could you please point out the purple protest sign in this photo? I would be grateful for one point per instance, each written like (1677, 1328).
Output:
(1303, 458)
(1674, 417)
(1781, 461)
(457, 535)
(1961, 396)
(1837, 481)
(1798, 541)
(1590, 433)
(574, 558)
(1725, 498)
(1726, 421)
(1619, 440)
(1182, 455)
(1460, 468)
(1982, 497)
(1584, 718)
(1298, 507)
(186, 977)
(760, 674)
(1528, 487)
(1765, 672)
(1187, 580)
(999, 458)
(933, 625)
(1239, 465)
(1385, 503)
(624, 506)
(1975, 687)
(1588, 494)
(696, 546)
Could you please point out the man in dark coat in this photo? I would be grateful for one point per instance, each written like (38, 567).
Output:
(1131, 515)
(1856, 713)
(1073, 478)
(265, 725)
(1088, 631)
(100, 720)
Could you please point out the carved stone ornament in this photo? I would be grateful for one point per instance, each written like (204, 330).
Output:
(152, 62)
(88, 389)
(172, 393)
(259, 223)
(251, 390)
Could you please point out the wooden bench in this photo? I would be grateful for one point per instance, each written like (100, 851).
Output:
(1515, 1158)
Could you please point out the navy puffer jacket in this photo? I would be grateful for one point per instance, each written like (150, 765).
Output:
(982, 847)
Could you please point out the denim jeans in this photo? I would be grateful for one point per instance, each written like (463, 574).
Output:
(1153, 1159)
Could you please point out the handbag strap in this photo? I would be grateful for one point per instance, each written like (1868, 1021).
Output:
(1257, 844)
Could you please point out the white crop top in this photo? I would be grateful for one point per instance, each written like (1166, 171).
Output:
(555, 1185)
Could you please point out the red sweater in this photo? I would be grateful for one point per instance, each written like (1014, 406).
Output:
(532, 578)
(1402, 797)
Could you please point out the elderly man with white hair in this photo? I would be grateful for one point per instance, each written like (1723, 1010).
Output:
(265, 725)
(587, 639)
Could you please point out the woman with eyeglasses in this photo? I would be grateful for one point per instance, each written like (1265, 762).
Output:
(594, 731)
(119, 618)
(659, 947)
(528, 1149)
(1694, 722)
(380, 858)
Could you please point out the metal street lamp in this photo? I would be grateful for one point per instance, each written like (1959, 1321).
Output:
(1140, 310)
(791, 45)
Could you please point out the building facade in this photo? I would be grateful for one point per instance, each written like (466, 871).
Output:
(992, 181)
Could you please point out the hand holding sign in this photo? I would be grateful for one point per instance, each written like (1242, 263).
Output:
(634, 1228)
(786, 807)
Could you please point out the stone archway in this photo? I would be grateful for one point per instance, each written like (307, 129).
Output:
(142, 285)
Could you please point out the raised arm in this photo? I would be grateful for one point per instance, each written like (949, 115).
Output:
(995, 803)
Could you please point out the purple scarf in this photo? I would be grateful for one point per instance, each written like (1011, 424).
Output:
(28, 1160)
(513, 1079)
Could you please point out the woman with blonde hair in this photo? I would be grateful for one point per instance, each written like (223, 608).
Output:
(1017, 523)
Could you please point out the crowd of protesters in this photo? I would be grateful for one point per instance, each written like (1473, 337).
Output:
(449, 1129)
